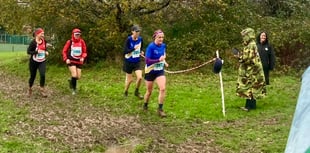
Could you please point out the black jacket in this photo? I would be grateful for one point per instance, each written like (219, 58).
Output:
(32, 48)
(266, 53)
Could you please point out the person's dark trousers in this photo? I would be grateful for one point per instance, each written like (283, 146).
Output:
(248, 104)
(33, 66)
(252, 104)
(266, 74)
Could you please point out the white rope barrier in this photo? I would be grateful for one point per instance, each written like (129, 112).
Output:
(190, 69)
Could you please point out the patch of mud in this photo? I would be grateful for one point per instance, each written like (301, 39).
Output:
(75, 124)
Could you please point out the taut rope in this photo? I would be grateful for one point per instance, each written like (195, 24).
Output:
(190, 69)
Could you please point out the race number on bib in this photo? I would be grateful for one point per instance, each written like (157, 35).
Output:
(159, 66)
(76, 51)
(136, 53)
(41, 54)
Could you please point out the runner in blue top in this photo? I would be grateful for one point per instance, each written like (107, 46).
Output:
(154, 70)
(132, 50)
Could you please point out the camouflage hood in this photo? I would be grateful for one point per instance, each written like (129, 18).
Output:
(248, 34)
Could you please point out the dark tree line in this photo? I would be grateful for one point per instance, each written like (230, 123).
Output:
(194, 29)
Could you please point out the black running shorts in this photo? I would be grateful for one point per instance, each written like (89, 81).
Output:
(152, 77)
(129, 67)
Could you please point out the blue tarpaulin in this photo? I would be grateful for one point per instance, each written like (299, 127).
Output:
(299, 136)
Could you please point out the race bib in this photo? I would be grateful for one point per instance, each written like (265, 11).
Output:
(136, 53)
(76, 51)
(159, 66)
(41, 54)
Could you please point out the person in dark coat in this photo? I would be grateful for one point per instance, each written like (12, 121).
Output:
(266, 54)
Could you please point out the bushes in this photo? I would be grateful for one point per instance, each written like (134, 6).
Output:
(194, 30)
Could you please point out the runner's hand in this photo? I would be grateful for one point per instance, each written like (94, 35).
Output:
(162, 58)
(166, 64)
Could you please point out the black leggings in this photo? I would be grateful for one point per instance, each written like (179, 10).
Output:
(33, 66)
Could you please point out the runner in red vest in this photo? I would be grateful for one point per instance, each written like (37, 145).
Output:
(37, 51)
(74, 54)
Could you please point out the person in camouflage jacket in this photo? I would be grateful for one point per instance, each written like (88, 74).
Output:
(251, 81)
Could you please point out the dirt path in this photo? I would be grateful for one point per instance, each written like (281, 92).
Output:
(76, 124)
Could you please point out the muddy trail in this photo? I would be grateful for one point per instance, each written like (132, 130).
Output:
(75, 125)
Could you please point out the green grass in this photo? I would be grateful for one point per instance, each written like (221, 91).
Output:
(193, 104)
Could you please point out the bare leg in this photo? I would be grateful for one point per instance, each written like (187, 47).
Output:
(149, 89)
(73, 71)
(138, 83)
(78, 73)
(128, 81)
(161, 82)
(139, 78)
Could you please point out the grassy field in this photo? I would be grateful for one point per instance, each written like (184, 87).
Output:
(100, 119)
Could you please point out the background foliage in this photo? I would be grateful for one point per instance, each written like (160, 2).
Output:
(194, 29)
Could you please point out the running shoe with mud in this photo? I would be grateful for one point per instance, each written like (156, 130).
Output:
(161, 113)
(137, 93)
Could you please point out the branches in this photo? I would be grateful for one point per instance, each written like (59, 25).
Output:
(145, 10)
